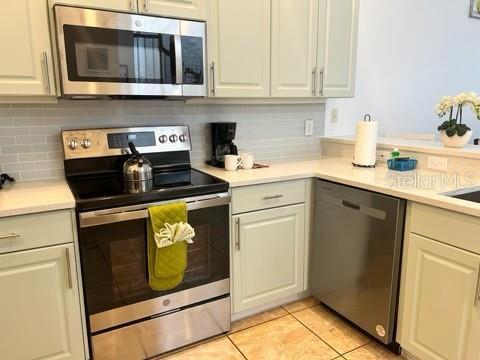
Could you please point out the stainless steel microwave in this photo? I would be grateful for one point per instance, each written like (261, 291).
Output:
(110, 54)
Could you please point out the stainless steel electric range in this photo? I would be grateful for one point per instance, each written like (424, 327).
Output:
(126, 319)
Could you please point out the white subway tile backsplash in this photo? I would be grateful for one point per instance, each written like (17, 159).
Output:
(16, 149)
(31, 149)
(34, 121)
(34, 139)
(7, 140)
(32, 157)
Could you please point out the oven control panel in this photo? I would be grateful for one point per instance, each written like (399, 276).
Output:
(87, 143)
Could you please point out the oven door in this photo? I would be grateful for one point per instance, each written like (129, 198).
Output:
(105, 53)
(114, 262)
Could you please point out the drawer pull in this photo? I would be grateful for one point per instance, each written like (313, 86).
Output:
(270, 197)
(69, 270)
(477, 292)
(9, 236)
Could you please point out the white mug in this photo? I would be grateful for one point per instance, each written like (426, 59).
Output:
(232, 162)
(247, 160)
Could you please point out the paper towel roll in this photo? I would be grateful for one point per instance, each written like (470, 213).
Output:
(366, 144)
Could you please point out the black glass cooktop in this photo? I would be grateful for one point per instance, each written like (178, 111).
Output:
(100, 191)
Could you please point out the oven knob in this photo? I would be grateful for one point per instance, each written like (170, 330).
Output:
(73, 144)
(173, 138)
(86, 143)
(163, 139)
(183, 138)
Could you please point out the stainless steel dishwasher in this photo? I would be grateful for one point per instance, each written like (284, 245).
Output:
(356, 256)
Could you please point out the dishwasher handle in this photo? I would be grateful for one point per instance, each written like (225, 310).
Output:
(350, 205)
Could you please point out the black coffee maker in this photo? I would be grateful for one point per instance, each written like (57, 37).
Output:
(223, 134)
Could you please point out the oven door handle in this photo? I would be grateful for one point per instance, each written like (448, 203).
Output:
(115, 215)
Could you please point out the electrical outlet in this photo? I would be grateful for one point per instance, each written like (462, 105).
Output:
(437, 163)
(309, 127)
(334, 116)
(382, 156)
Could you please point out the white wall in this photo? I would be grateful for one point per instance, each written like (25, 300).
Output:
(410, 53)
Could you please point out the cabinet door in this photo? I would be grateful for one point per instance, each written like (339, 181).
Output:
(39, 306)
(294, 47)
(440, 318)
(26, 66)
(337, 47)
(268, 255)
(239, 48)
(121, 5)
(185, 9)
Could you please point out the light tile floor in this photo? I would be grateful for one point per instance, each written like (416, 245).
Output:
(302, 330)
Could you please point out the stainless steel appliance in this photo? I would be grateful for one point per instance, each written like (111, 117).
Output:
(356, 256)
(4, 178)
(108, 54)
(137, 172)
(126, 319)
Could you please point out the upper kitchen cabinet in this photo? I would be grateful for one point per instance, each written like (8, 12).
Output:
(120, 5)
(26, 67)
(337, 47)
(294, 48)
(239, 48)
(186, 9)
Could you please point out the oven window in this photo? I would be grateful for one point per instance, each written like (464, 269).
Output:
(109, 55)
(114, 259)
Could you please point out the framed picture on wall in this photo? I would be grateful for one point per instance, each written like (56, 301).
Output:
(475, 9)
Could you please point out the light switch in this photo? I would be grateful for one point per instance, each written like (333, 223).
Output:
(309, 127)
(437, 163)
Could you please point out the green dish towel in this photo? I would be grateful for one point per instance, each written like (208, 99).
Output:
(166, 266)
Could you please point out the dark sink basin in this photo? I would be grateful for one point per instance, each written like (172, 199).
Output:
(473, 195)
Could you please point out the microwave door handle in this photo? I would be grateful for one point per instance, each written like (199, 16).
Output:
(178, 59)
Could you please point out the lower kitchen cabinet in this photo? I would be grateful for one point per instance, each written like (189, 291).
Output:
(39, 307)
(441, 305)
(268, 255)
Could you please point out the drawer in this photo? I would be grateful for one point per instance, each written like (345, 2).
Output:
(450, 227)
(266, 196)
(35, 230)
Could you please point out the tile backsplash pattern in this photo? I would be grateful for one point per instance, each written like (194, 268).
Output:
(31, 149)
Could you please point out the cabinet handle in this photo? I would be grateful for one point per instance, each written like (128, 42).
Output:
(477, 292)
(130, 5)
(145, 6)
(212, 72)
(322, 74)
(9, 236)
(69, 270)
(46, 72)
(270, 197)
(314, 81)
(237, 240)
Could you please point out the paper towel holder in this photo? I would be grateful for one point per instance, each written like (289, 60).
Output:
(366, 118)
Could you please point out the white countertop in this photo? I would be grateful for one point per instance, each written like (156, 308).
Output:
(21, 198)
(340, 170)
(39, 196)
(429, 147)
